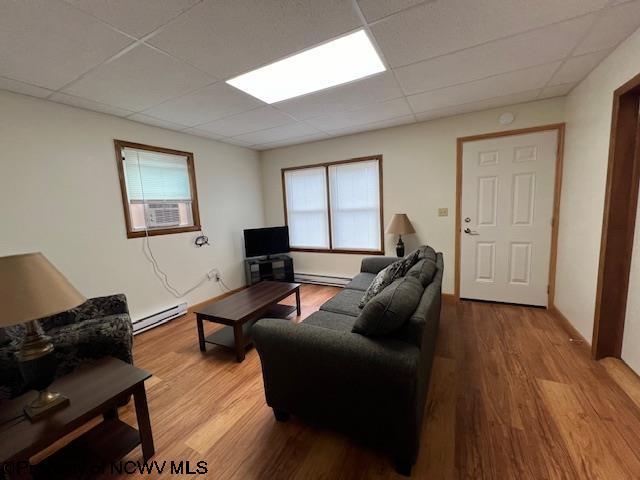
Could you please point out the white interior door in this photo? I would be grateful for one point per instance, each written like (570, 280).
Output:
(506, 217)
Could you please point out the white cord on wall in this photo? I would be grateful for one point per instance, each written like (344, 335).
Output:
(214, 273)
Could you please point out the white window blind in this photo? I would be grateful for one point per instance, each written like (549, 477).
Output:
(355, 205)
(307, 212)
(156, 176)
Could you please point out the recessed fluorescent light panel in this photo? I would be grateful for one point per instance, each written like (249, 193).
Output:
(340, 61)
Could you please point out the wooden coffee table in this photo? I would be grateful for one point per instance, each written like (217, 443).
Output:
(95, 389)
(240, 310)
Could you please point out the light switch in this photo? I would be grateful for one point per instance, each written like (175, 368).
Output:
(443, 212)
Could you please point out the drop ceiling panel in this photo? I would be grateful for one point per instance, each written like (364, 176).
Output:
(344, 97)
(502, 101)
(137, 17)
(576, 68)
(442, 27)
(89, 104)
(48, 44)
(24, 88)
(373, 113)
(557, 90)
(229, 38)
(500, 85)
(394, 122)
(203, 133)
(156, 122)
(292, 141)
(615, 25)
(376, 9)
(205, 105)
(258, 119)
(138, 79)
(525, 50)
(277, 134)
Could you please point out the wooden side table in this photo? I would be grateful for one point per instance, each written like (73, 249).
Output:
(95, 389)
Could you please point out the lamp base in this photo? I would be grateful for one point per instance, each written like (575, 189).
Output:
(400, 247)
(45, 403)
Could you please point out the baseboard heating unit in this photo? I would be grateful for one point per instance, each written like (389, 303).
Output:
(146, 323)
(321, 279)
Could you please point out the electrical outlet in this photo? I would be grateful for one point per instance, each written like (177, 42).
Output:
(443, 212)
(213, 275)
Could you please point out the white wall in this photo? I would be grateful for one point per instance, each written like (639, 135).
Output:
(588, 117)
(60, 194)
(419, 168)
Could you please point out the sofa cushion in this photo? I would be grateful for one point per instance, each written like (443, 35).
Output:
(346, 302)
(361, 281)
(428, 253)
(424, 271)
(330, 320)
(388, 310)
(388, 275)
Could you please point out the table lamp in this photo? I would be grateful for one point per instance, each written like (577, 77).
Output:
(400, 225)
(32, 288)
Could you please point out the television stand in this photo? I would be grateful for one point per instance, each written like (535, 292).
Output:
(274, 267)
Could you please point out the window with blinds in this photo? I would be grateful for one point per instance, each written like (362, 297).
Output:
(335, 207)
(158, 189)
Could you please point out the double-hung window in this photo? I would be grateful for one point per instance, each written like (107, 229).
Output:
(158, 189)
(335, 207)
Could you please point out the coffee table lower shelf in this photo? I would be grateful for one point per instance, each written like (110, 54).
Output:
(225, 336)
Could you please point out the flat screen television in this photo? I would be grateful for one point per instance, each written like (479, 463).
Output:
(266, 241)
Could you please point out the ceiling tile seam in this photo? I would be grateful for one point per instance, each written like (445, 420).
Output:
(389, 15)
(483, 78)
(598, 17)
(136, 42)
(368, 124)
(25, 83)
(483, 100)
(506, 37)
(98, 19)
(217, 119)
(159, 28)
(117, 55)
(376, 46)
(164, 52)
(262, 145)
(189, 93)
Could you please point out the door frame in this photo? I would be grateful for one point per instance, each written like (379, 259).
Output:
(618, 223)
(557, 190)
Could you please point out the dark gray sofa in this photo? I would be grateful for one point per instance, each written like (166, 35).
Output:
(373, 387)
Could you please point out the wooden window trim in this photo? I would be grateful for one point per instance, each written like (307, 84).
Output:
(326, 166)
(195, 210)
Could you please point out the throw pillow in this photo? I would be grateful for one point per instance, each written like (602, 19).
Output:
(390, 309)
(424, 271)
(387, 275)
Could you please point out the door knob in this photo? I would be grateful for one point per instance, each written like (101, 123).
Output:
(468, 231)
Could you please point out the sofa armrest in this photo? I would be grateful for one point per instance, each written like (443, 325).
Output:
(102, 307)
(93, 308)
(375, 264)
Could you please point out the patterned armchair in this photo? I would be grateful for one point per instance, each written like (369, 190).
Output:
(98, 328)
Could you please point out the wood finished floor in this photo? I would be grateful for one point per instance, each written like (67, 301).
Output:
(510, 398)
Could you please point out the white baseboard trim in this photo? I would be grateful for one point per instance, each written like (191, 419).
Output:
(321, 279)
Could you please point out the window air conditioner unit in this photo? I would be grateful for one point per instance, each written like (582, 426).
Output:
(160, 214)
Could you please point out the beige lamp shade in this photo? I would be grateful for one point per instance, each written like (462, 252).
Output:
(400, 225)
(32, 288)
